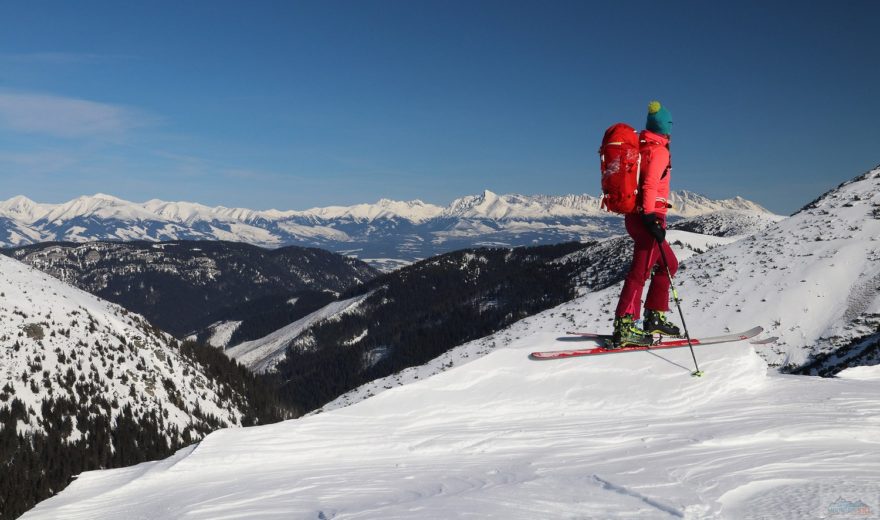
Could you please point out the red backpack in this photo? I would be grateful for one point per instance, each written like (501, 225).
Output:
(620, 159)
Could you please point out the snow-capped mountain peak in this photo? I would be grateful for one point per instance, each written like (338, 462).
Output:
(104, 196)
(20, 208)
(184, 212)
(413, 211)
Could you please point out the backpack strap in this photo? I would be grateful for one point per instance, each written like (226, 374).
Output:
(644, 140)
(668, 166)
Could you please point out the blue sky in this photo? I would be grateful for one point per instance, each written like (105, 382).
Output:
(298, 104)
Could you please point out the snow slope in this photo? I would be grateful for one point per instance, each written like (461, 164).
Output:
(501, 436)
(221, 333)
(261, 355)
(811, 279)
(58, 340)
(728, 223)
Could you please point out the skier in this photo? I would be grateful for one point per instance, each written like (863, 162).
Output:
(647, 227)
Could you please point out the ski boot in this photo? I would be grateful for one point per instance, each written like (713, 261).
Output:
(656, 323)
(626, 333)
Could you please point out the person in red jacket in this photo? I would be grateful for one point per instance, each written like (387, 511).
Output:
(647, 228)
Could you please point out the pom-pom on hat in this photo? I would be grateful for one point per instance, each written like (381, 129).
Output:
(659, 119)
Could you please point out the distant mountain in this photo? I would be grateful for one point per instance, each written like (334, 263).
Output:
(185, 286)
(86, 384)
(386, 234)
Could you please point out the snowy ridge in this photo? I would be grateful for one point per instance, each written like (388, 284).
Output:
(492, 206)
(414, 211)
(56, 337)
(688, 204)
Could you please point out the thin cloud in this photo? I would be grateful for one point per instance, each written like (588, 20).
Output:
(67, 117)
(36, 163)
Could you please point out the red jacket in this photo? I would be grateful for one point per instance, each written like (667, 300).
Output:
(655, 172)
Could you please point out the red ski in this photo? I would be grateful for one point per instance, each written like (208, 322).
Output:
(671, 343)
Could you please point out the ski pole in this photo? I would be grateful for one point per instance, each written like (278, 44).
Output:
(687, 335)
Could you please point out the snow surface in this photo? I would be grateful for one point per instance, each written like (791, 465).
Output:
(728, 223)
(619, 436)
(864, 372)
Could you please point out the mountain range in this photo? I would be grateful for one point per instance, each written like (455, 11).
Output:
(385, 234)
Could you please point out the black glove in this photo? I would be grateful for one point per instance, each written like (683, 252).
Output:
(653, 224)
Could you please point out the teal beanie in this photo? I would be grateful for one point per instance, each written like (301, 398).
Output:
(659, 119)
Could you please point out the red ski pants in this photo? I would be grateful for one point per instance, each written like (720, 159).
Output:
(646, 255)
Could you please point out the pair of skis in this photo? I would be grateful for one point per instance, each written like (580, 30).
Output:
(603, 339)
